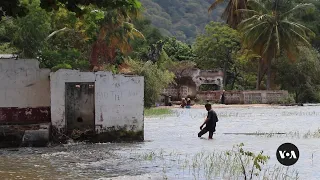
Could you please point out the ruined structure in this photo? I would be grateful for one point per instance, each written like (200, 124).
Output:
(37, 106)
(24, 102)
(255, 97)
(97, 105)
(203, 85)
(190, 82)
(245, 97)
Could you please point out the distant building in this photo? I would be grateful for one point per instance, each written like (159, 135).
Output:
(194, 80)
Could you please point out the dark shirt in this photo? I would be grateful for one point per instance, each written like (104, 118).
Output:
(212, 119)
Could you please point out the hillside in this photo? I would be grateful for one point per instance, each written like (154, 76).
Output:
(183, 19)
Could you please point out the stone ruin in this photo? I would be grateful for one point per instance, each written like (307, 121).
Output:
(190, 82)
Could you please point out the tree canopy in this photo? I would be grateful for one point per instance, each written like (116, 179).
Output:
(15, 8)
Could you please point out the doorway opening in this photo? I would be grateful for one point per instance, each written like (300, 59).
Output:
(80, 107)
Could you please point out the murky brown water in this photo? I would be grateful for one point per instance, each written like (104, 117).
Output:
(177, 135)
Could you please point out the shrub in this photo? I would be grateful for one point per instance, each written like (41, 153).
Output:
(155, 79)
(61, 66)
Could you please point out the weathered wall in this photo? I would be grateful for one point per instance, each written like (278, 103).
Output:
(173, 91)
(24, 92)
(119, 101)
(254, 97)
(244, 97)
(212, 96)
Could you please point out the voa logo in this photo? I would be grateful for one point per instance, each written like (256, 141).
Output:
(290, 155)
(287, 154)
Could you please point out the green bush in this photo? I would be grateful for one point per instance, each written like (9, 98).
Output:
(72, 57)
(155, 79)
(157, 111)
(287, 100)
(61, 66)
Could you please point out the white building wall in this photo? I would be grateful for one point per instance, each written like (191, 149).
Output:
(23, 84)
(118, 99)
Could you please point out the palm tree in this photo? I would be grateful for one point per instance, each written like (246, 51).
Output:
(230, 15)
(269, 31)
(115, 33)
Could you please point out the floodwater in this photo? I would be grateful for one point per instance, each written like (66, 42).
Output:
(175, 137)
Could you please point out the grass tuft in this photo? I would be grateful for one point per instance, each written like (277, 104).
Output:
(157, 111)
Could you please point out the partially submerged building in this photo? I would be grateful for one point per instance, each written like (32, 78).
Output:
(193, 81)
(207, 85)
(37, 105)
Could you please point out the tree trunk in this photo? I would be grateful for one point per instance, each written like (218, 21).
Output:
(233, 82)
(224, 75)
(269, 75)
(297, 96)
(259, 74)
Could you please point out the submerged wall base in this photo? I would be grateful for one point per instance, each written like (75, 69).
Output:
(112, 135)
(34, 135)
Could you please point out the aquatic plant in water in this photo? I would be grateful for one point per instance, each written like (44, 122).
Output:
(233, 164)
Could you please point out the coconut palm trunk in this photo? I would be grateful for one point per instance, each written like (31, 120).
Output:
(269, 74)
(259, 74)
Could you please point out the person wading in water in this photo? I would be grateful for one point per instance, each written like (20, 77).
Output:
(210, 122)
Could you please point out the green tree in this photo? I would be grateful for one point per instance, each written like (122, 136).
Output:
(302, 77)
(32, 30)
(69, 44)
(155, 79)
(311, 19)
(183, 19)
(152, 36)
(7, 28)
(269, 29)
(12, 8)
(217, 48)
(75, 5)
(178, 50)
(16, 9)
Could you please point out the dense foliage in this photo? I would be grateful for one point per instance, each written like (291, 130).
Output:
(183, 19)
(164, 38)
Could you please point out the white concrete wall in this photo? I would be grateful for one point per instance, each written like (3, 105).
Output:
(118, 99)
(23, 84)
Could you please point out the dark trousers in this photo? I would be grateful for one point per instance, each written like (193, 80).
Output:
(205, 130)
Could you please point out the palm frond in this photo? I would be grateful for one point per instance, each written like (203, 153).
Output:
(249, 29)
(302, 39)
(257, 5)
(299, 7)
(248, 11)
(247, 21)
(255, 42)
(298, 26)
